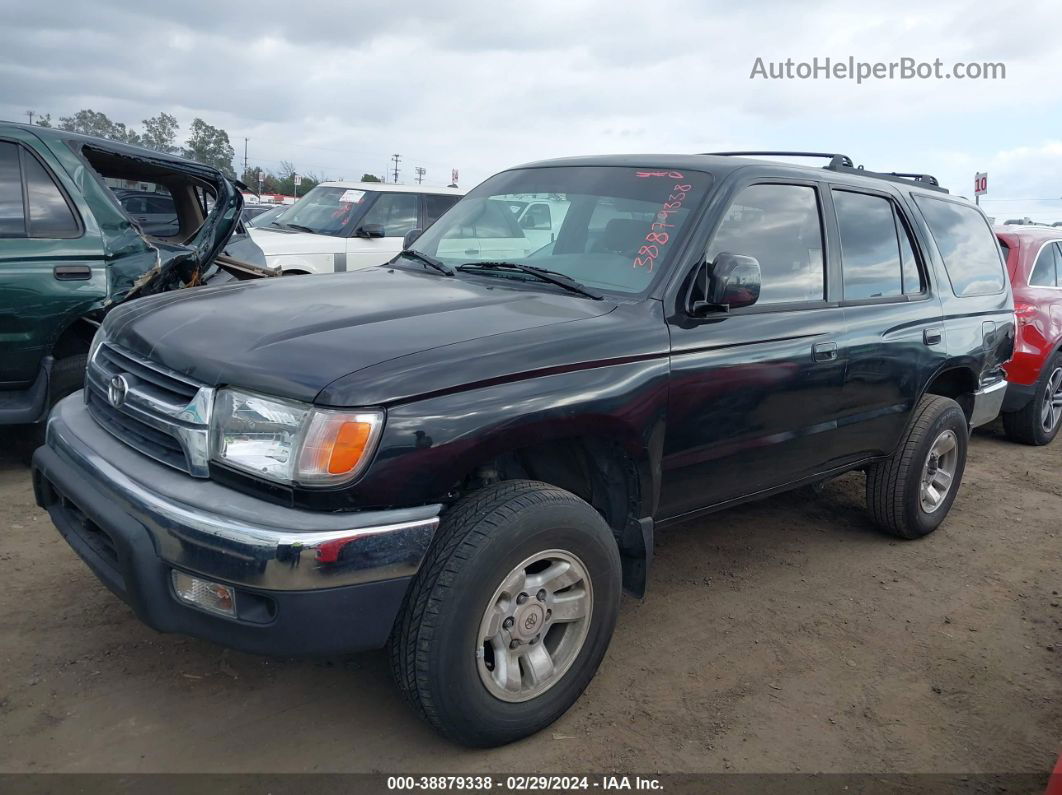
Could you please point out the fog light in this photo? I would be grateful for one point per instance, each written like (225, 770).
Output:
(204, 594)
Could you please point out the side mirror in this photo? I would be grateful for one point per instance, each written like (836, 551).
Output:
(369, 230)
(731, 281)
(411, 237)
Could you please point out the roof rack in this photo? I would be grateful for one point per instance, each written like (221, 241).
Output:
(843, 164)
(835, 159)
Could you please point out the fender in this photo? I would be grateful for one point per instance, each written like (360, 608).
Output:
(429, 446)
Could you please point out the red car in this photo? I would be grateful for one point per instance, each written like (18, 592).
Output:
(1033, 404)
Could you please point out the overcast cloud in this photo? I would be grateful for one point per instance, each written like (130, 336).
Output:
(337, 87)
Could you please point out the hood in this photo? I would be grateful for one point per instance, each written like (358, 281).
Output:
(291, 337)
(278, 241)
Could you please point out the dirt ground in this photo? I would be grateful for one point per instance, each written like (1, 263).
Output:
(782, 636)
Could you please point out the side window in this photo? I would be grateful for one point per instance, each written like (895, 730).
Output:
(12, 214)
(1044, 271)
(135, 204)
(160, 205)
(396, 212)
(435, 204)
(779, 225)
(870, 250)
(966, 244)
(537, 217)
(49, 214)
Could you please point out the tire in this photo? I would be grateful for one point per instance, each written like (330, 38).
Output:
(1027, 426)
(895, 495)
(437, 655)
(67, 376)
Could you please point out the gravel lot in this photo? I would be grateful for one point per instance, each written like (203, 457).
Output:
(786, 635)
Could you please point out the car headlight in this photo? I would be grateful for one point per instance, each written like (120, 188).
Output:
(289, 441)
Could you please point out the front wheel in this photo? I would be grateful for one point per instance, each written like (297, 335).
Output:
(510, 615)
(911, 492)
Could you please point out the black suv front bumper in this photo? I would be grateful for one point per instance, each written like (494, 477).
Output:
(305, 582)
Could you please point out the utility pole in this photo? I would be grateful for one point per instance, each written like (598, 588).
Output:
(420, 174)
(30, 114)
(244, 156)
(397, 159)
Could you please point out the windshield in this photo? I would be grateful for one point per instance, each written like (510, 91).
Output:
(324, 211)
(608, 227)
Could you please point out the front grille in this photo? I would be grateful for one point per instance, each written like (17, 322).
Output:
(150, 441)
(112, 361)
(161, 414)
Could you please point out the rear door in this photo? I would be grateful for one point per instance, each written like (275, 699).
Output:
(894, 338)
(50, 271)
(978, 307)
(754, 392)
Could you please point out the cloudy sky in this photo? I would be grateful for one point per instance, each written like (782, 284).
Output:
(337, 87)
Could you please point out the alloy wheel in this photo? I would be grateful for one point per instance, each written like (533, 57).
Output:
(1052, 407)
(938, 472)
(534, 625)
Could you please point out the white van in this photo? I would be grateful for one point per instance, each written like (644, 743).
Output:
(341, 226)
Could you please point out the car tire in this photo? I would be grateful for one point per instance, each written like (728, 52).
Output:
(1039, 421)
(66, 377)
(474, 579)
(910, 493)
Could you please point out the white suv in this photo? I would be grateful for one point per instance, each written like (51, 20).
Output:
(341, 226)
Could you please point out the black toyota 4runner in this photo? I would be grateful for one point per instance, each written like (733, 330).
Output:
(464, 454)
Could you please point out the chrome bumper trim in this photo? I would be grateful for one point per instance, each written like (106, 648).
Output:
(988, 401)
(222, 534)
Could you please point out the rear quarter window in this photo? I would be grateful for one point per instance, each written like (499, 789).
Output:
(967, 246)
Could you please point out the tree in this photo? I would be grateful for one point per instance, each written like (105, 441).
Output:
(160, 134)
(91, 122)
(370, 178)
(210, 146)
(44, 120)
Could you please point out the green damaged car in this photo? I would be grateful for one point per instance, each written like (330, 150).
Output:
(86, 224)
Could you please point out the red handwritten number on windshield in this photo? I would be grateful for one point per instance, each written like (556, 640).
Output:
(658, 236)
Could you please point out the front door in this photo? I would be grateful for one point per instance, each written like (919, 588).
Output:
(754, 392)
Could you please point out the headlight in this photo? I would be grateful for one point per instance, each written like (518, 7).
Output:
(289, 441)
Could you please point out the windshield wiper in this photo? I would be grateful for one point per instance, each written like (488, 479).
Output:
(553, 277)
(301, 228)
(441, 267)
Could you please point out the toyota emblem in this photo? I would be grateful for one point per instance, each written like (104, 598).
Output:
(117, 390)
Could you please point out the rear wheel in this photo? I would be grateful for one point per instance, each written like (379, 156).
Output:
(511, 614)
(1039, 421)
(910, 493)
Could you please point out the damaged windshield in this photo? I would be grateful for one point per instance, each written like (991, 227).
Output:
(324, 211)
(606, 227)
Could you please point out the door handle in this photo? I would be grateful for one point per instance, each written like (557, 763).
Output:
(824, 351)
(931, 336)
(72, 273)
